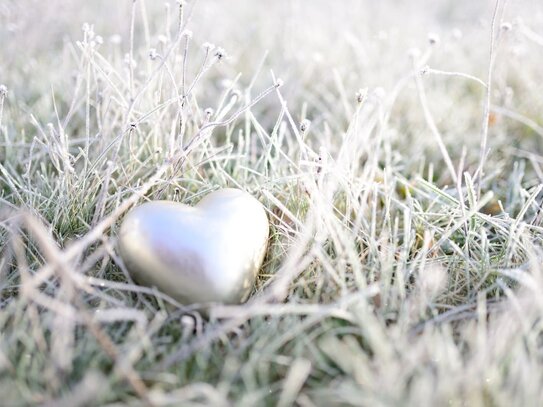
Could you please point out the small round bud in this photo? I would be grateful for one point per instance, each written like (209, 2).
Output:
(361, 95)
(188, 322)
(278, 83)
(506, 26)
(220, 53)
(433, 39)
(3, 90)
(304, 125)
(208, 46)
(88, 29)
(208, 112)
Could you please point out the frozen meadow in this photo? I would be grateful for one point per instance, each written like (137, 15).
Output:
(396, 146)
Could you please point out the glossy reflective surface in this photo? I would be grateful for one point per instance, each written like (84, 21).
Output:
(208, 253)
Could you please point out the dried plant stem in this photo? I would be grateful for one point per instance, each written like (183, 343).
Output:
(433, 128)
(487, 101)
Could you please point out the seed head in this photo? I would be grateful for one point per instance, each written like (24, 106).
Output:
(208, 112)
(304, 125)
(433, 39)
(188, 322)
(361, 95)
(208, 46)
(506, 26)
(220, 54)
(88, 30)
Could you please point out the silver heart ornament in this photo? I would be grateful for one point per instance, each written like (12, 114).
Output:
(207, 253)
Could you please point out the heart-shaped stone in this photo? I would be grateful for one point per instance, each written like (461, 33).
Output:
(208, 253)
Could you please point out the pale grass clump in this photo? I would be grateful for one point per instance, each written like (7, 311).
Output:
(401, 171)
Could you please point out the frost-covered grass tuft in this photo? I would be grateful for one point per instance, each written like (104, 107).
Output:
(397, 149)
